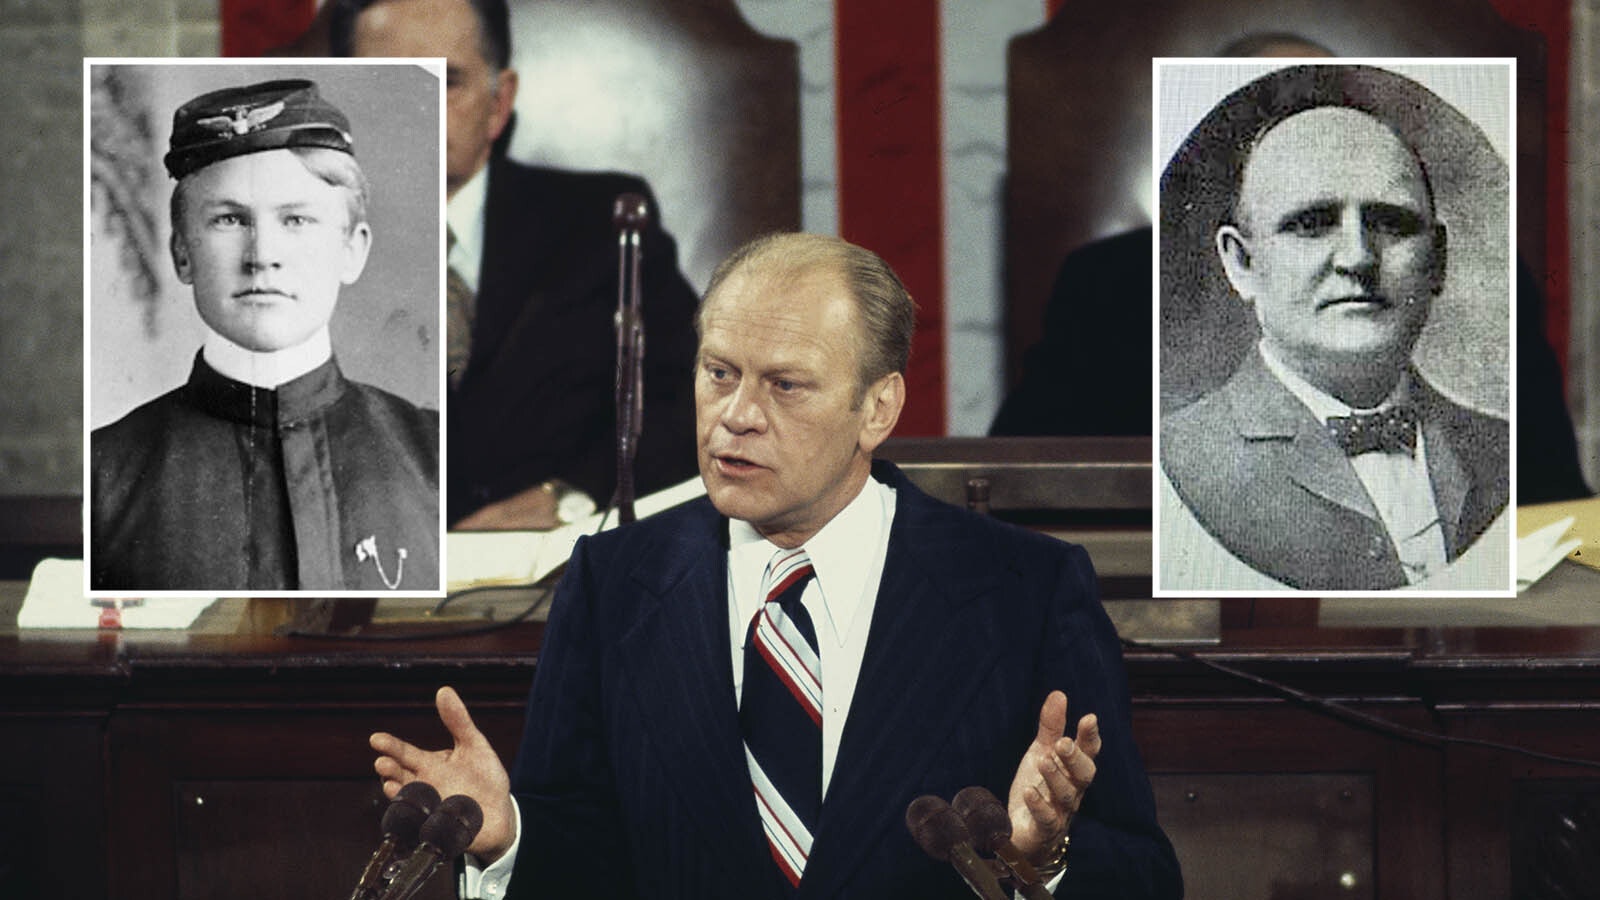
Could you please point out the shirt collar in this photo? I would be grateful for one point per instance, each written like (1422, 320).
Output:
(843, 553)
(1322, 404)
(464, 214)
(267, 369)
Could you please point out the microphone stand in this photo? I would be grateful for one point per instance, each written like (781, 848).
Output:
(630, 214)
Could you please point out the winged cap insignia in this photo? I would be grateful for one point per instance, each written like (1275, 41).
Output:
(241, 119)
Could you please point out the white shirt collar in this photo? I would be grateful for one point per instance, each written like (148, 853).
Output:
(266, 369)
(464, 214)
(846, 554)
(1321, 403)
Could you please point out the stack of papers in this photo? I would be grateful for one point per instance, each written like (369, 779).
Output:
(55, 600)
(488, 558)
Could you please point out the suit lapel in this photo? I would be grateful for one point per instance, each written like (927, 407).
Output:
(1266, 411)
(929, 647)
(518, 244)
(1446, 470)
(678, 655)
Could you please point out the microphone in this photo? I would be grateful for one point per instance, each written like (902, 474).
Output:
(942, 835)
(444, 836)
(990, 825)
(401, 823)
(630, 215)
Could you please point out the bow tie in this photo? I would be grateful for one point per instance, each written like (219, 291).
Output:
(1393, 430)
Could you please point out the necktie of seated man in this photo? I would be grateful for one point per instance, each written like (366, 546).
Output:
(1393, 430)
(459, 307)
(780, 713)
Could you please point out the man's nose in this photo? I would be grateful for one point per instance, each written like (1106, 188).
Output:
(263, 246)
(1356, 252)
(743, 412)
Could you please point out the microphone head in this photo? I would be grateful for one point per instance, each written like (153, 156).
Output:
(985, 817)
(630, 211)
(408, 810)
(935, 826)
(453, 825)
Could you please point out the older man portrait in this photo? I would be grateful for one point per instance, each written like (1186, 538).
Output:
(1327, 459)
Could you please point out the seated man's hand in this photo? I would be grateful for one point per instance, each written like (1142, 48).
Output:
(1051, 779)
(531, 510)
(470, 767)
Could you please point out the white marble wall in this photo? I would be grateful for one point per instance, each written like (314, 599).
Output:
(973, 70)
(1583, 181)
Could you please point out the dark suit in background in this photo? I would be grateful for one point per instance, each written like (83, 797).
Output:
(537, 400)
(632, 778)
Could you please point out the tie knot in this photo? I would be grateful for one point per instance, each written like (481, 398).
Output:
(449, 239)
(787, 571)
(1392, 430)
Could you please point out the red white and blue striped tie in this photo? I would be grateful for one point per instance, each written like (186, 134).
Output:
(780, 712)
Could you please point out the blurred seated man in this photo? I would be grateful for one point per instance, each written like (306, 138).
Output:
(741, 696)
(1089, 372)
(533, 291)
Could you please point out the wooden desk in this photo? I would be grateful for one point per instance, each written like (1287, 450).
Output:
(186, 764)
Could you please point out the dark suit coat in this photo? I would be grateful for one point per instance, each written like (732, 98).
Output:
(632, 778)
(1265, 479)
(537, 400)
(216, 485)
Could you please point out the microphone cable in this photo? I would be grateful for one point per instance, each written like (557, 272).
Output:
(1336, 710)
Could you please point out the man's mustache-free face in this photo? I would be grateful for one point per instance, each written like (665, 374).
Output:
(267, 245)
(1336, 243)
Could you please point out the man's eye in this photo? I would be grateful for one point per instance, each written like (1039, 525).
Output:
(785, 386)
(295, 220)
(227, 220)
(1311, 223)
(1394, 222)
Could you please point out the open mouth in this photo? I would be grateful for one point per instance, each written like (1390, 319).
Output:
(734, 464)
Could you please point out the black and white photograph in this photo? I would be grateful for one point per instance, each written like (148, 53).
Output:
(1334, 330)
(263, 361)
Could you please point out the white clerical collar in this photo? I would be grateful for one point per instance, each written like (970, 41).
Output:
(464, 214)
(267, 369)
(843, 552)
(1322, 404)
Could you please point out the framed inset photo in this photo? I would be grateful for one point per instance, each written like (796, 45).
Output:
(263, 350)
(1334, 340)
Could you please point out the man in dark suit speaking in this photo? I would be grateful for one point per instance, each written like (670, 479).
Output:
(917, 648)
(532, 292)
(1327, 461)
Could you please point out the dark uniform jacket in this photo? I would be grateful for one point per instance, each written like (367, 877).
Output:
(321, 484)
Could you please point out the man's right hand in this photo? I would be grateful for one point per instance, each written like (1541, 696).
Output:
(470, 767)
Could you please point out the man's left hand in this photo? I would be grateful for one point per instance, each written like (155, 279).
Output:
(1051, 779)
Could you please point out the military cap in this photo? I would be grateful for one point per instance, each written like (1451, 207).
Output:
(234, 121)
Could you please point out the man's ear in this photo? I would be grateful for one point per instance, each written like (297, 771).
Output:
(1438, 259)
(357, 244)
(882, 405)
(505, 102)
(1234, 250)
(180, 259)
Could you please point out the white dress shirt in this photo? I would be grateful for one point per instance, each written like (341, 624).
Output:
(1399, 484)
(464, 214)
(848, 555)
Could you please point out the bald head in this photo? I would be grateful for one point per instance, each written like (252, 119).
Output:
(1335, 244)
